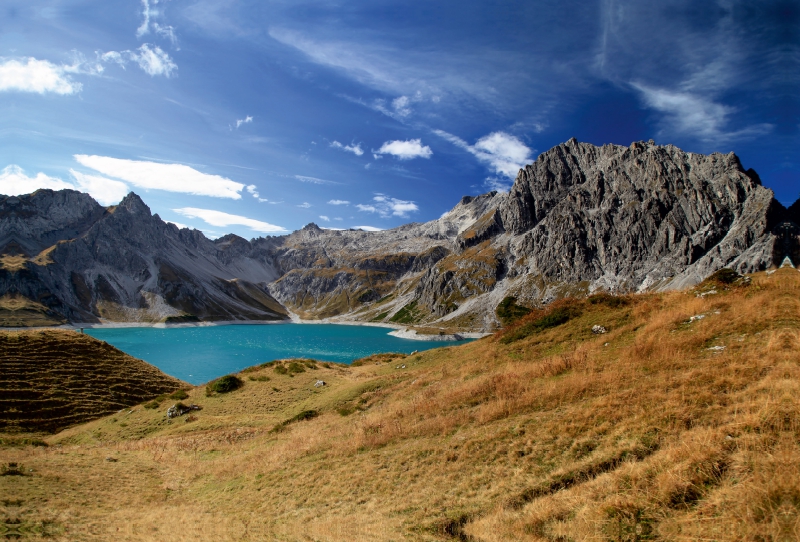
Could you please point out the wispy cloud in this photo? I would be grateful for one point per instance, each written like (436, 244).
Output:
(149, 15)
(169, 177)
(367, 228)
(693, 114)
(355, 149)
(313, 180)
(386, 206)
(38, 76)
(305, 205)
(150, 58)
(502, 152)
(248, 119)
(325, 218)
(253, 191)
(179, 224)
(221, 220)
(405, 150)
(338, 202)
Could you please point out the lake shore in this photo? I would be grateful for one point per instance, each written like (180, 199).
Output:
(399, 331)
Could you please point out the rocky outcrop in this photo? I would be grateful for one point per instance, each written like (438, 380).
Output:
(580, 218)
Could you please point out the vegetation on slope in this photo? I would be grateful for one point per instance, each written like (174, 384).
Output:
(679, 423)
(52, 379)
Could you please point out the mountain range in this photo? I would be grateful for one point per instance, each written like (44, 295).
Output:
(581, 218)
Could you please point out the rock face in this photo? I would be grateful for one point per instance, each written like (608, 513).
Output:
(81, 262)
(580, 218)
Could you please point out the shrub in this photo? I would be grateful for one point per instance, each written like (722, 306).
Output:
(180, 394)
(508, 311)
(304, 415)
(262, 378)
(295, 368)
(225, 384)
(281, 370)
(152, 405)
(725, 276)
(556, 316)
(608, 300)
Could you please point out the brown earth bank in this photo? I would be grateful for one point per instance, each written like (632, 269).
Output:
(52, 379)
(680, 422)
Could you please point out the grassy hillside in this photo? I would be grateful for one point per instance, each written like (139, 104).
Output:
(679, 423)
(51, 379)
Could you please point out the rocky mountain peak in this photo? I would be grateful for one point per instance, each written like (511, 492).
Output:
(134, 204)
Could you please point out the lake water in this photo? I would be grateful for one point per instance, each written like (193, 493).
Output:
(200, 354)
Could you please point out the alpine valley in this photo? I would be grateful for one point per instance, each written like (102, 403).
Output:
(580, 219)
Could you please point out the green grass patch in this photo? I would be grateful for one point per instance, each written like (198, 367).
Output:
(406, 315)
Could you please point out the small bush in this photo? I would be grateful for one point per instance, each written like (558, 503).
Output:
(295, 368)
(281, 370)
(508, 311)
(357, 363)
(225, 384)
(262, 378)
(180, 394)
(555, 317)
(725, 276)
(304, 415)
(345, 410)
(152, 405)
(608, 300)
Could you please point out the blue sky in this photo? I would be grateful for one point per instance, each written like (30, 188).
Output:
(258, 117)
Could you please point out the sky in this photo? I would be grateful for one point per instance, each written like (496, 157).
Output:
(257, 117)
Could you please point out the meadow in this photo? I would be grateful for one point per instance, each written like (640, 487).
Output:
(679, 422)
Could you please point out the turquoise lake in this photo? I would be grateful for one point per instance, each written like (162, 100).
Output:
(200, 354)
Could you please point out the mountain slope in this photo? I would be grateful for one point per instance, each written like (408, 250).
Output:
(123, 264)
(581, 218)
(667, 427)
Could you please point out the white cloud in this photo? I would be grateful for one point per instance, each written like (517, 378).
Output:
(692, 114)
(105, 191)
(503, 152)
(325, 218)
(401, 106)
(406, 150)
(154, 61)
(150, 58)
(338, 202)
(180, 225)
(367, 228)
(148, 14)
(220, 219)
(355, 149)
(313, 180)
(305, 205)
(253, 191)
(39, 76)
(14, 181)
(248, 119)
(169, 177)
(387, 206)
(144, 28)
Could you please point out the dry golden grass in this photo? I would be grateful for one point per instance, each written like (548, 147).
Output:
(644, 433)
